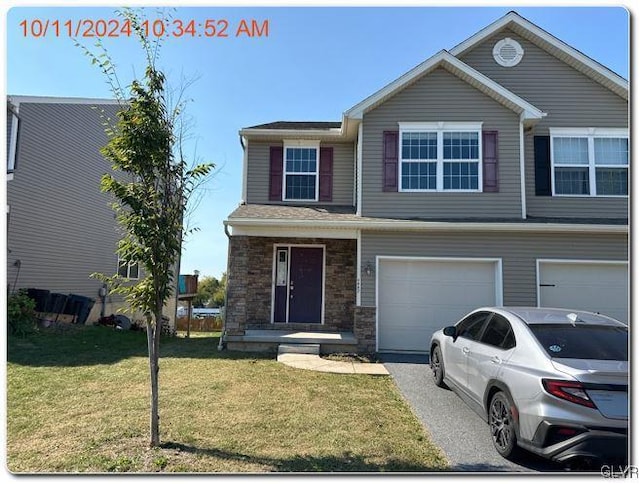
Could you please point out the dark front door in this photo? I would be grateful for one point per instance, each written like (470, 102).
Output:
(305, 285)
(298, 285)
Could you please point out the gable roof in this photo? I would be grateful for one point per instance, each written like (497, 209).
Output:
(551, 44)
(458, 68)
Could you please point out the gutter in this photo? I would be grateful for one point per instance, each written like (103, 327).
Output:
(409, 225)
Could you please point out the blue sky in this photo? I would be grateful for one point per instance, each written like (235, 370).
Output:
(314, 64)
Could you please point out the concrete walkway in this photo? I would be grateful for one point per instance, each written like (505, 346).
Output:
(307, 357)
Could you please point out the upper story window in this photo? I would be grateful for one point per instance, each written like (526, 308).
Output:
(128, 270)
(301, 164)
(589, 162)
(440, 157)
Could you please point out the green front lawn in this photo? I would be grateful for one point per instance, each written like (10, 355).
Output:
(78, 402)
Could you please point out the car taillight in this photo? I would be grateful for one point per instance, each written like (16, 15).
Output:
(571, 391)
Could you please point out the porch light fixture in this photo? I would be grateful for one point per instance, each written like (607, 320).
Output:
(369, 270)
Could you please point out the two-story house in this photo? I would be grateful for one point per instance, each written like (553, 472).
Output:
(61, 227)
(495, 173)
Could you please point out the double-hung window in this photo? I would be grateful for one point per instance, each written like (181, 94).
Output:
(590, 161)
(301, 164)
(440, 157)
(128, 270)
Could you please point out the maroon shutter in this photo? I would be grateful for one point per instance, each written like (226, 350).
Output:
(390, 161)
(542, 164)
(490, 161)
(326, 174)
(275, 173)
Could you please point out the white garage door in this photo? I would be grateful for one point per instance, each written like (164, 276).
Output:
(600, 287)
(419, 296)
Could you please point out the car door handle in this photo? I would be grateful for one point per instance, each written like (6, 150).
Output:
(496, 360)
(465, 350)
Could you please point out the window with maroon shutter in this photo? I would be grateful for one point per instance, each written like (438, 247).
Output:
(390, 161)
(275, 173)
(301, 170)
(326, 174)
(490, 161)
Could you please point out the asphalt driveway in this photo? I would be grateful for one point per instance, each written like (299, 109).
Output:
(453, 426)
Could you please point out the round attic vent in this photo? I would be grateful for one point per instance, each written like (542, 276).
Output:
(507, 52)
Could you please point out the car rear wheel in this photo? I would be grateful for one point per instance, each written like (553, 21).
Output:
(437, 367)
(501, 425)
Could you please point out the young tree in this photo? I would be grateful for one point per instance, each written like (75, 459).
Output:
(151, 201)
(207, 287)
(220, 294)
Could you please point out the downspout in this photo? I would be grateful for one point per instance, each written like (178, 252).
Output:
(359, 172)
(523, 186)
(226, 292)
(245, 154)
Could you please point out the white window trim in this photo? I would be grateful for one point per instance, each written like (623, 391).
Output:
(13, 144)
(439, 128)
(590, 134)
(129, 270)
(300, 144)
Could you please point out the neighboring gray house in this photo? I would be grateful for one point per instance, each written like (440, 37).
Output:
(495, 173)
(61, 227)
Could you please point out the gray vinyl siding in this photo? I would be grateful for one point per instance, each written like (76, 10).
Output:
(61, 227)
(441, 96)
(258, 173)
(570, 100)
(517, 251)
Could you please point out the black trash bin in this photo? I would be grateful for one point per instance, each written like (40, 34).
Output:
(86, 308)
(80, 307)
(56, 303)
(41, 297)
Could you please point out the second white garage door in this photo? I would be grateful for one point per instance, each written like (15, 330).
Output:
(600, 287)
(419, 296)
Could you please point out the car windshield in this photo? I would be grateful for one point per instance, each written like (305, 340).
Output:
(585, 342)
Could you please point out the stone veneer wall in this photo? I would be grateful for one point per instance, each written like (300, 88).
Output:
(364, 328)
(236, 303)
(250, 284)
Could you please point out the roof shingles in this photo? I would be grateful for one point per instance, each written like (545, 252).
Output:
(299, 125)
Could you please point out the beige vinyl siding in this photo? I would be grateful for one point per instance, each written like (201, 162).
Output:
(518, 252)
(61, 227)
(258, 173)
(570, 99)
(441, 96)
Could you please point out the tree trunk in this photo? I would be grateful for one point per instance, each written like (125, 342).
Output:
(153, 334)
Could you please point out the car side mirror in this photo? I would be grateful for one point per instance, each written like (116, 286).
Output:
(450, 331)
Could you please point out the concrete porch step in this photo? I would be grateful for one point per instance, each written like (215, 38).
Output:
(305, 349)
(294, 337)
(270, 340)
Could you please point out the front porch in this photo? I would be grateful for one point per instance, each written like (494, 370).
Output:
(269, 340)
(291, 290)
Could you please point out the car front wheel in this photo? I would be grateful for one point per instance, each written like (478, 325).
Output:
(501, 424)
(437, 367)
